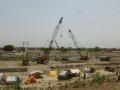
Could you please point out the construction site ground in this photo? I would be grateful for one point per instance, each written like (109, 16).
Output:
(56, 65)
(59, 65)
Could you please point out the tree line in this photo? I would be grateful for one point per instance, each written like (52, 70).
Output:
(96, 49)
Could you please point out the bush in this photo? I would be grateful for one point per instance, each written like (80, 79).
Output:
(98, 79)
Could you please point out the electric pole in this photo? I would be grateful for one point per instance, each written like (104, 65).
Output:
(25, 61)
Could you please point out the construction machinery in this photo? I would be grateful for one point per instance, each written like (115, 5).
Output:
(76, 45)
(60, 51)
(55, 33)
(57, 44)
(45, 56)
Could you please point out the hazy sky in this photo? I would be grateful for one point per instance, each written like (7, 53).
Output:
(93, 22)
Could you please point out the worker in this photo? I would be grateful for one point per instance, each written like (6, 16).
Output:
(84, 76)
(118, 76)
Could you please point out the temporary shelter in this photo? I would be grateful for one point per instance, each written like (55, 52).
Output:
(30, 80)
(73, 72)
(37, 74)
(12, 79)
(63, 75)
(53, 74)
(77, 71)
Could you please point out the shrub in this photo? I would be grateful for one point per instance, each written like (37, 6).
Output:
(98, 79)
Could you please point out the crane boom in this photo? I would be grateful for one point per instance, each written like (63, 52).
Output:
(58, 47)
(47, 52)
(57, 44)
(76, 45)
(74, 40)
(55, 32)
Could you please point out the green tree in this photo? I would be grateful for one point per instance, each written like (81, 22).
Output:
(8, 48)
(96, 49)
(45, 49)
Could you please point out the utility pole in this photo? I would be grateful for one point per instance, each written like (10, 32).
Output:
(25, 61)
